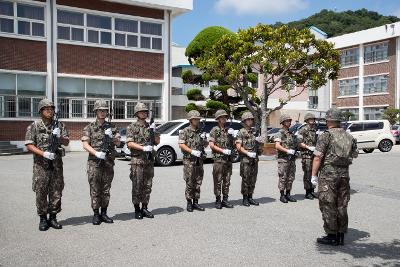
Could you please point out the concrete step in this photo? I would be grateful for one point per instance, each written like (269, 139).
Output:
(8, 149)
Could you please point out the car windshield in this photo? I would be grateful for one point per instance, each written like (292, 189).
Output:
(168, 127)
(395, 127)
(273, 130)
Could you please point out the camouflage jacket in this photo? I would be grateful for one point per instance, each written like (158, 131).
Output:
(308, 136)
(93, 133)
(191, 137)
(139, 133)
(222, 139)
(287, 140)
(248, 141)
(39, 133)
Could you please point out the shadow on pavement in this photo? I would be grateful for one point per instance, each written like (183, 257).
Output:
(357, 245)
(74, 221)
(238, 202)
(160, 211)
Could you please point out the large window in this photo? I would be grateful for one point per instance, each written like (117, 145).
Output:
(376, 52)
(312, 99)
(76, 97)
(20, 94)
(349, 57)
(108, 30)
(352, 114)
(21, 18)
(348, 87)
(374, 113)
(375, 84)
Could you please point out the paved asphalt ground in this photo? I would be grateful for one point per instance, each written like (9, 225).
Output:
(273, 234)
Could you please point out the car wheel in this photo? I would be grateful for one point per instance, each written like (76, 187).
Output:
(368, 150)
(165, 156)
(385, 145)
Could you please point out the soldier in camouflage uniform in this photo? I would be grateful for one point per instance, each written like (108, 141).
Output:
(221, 143)
(308, 137)
(191, 142)
(333, 155)
(285, 144)
(48, 178)
(246, 145)
(100, 166)
(142, 165)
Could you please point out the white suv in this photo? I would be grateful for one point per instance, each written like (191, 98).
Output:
(371, 134)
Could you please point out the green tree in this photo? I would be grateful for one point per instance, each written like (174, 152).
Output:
(392, 115)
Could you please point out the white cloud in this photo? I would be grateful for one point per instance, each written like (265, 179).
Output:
(260, 7)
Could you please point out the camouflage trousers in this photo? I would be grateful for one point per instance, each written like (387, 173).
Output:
(307, 169)
(193, 176)
(334, 196)
(48, 185)
(248, 172)
(100, 179)
(222, 171)
(142, 181)
(286, 173)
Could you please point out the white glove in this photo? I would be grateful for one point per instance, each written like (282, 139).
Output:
(203, 135)
(108, 132)
(291, 152)
(152, 126)
(147, 148)
(196, 153)
(252, 155)
(260, 139)
(57, 132)
(311, 148)
(231, 131)
(100, 155)
(227, 152)
(48, 155)
(314, 180)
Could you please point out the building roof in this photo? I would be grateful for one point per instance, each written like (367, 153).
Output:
(177, 7)
(367, 36)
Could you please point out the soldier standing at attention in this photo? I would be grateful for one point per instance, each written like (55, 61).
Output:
(138, 139)
(248, 145)
(48, 178)
(308, 135)
(192, 145)
(99, 139)
(285, 144)
(333, 155)
(220, 141)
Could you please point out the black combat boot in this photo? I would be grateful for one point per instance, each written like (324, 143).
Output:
(196, 205)
(189, 206)
(96, 217)
(283, 198)
(218, 204)
(309, 195)
(340, 239)
(43, 226)
(329, 239)
(104, 216)
(315, 195)
(145, 212)
(138, 212)
(252, 201)
(289, 197)
(225, 202)
(246, 201)
(53, 222)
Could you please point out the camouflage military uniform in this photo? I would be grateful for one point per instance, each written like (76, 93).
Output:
(192, 172)
(334, 186)
(100, 178)
(222, 168)
(308, 135)
(142, 168)
(48, 178)
(248, 166)
(286, 164)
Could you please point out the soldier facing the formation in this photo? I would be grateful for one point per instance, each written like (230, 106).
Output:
(221, 143)
(333, 155)
(249, 146)
(99, 139)
(141, 138)
(44, 139)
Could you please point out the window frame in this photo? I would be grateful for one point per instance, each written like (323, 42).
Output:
(374, 60)
(356, 56)
(374, 82)
(357, 90)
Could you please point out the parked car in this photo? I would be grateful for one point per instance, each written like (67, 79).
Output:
(371, 134)
(396, 132)
(321, 127)
(168, 151)
(271, 134)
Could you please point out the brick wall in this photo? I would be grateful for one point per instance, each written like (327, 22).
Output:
(26, 55)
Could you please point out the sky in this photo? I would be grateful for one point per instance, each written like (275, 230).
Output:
(235, 14)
